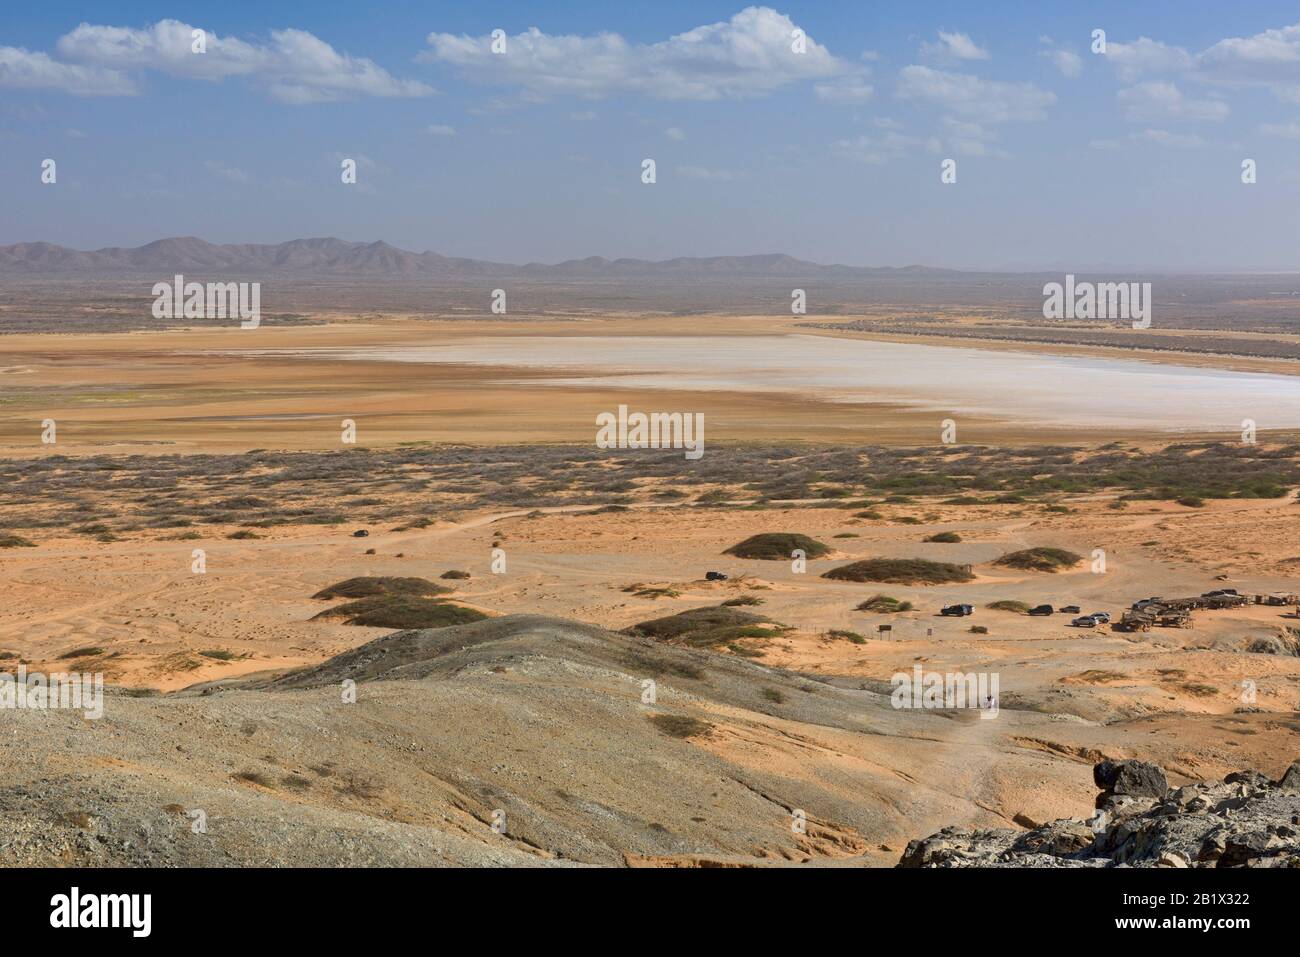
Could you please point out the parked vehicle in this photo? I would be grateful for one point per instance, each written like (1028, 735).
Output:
(1100, 617)
(1041, 610)
(1085, 621)
(957, 611)
(1069, 609)
(715, 577)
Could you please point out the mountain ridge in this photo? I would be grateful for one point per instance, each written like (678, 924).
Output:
(331, 256)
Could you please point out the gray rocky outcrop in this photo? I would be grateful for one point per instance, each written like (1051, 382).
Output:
(1245, 820)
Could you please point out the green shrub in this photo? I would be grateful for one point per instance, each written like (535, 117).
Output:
(402, 611)
(900, 571)
(884, 604)
(706, 627)
(1006, 604)
(777, 546)
(366, 587)
(679, 726)
(1040, 559)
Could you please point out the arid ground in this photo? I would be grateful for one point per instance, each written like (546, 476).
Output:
(177, 445)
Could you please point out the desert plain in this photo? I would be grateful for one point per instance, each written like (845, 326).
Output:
(517, 729)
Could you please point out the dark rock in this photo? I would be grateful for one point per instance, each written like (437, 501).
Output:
(1290, 781)
(1211, 848)
(1060, 839)
(1252, 778)
(1135, 778)
(1242, 821)
(1241, 848)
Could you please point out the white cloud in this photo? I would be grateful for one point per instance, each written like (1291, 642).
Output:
(968, 96)
(583, 116)
(1068, 63)
(441, 129)
(748, 55)
(228, 173)
(1270, 58)
(1145, 57)
(1290, 131)
(876, 150)
(1164, 101)
(166, 46)
(1183, 141)
(953, 48)
(674, 133)
(24, 70)
(969, 139)
(702, 172)
(294, 66)
(852, 89)
(1186, 141)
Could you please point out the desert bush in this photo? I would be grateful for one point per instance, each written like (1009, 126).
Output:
(1040, 559)
(900, 571)
(777, 546)
(367, 586)
(884, 604)
(1007, 604)
(402, 611)
(706, 627)
(679, 726)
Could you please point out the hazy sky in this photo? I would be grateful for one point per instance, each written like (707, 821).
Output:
(1065, 158)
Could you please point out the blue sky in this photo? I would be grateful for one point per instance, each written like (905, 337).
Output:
(1065, 158)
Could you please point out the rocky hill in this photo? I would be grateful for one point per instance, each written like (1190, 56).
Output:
(1245, 820)
(534, 741)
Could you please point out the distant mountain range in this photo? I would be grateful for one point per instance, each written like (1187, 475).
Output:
(334, 257)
